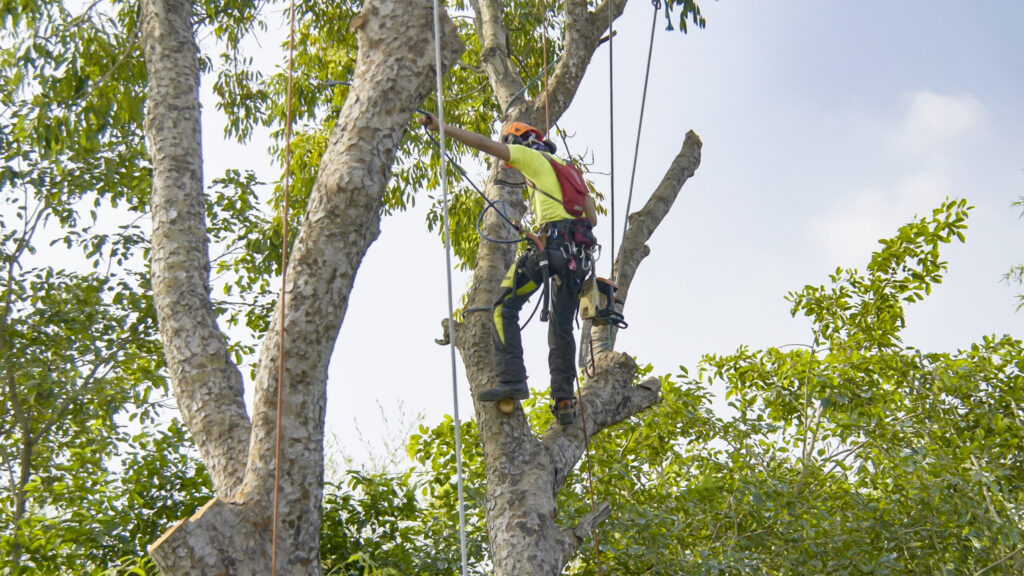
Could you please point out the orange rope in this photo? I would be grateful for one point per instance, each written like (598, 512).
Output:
(547, 114)
(284, 279)
(590, 477)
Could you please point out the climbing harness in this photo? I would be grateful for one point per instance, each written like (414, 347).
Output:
(448, 269)
(284, 283)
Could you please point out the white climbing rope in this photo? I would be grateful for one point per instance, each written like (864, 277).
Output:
(448, 269)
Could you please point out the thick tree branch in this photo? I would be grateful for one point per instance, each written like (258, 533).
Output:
(643, 223)
(501, 71)
(394, 74)
(206, 383)
(583, 31)
(607, 399)
(585, 527)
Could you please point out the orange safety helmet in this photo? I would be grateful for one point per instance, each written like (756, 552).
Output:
(526, 135)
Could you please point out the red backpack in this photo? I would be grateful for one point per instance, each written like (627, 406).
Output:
(574, 188)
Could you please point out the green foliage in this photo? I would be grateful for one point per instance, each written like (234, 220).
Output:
(407, 523)
(433, 451)
(72, 107)
(856, 455)
(368, 525)
(852, 455)
(688, 9)
(81, 365)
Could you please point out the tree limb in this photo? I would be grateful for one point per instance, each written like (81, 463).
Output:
(590, 521)
(393, 75)
(583, 31)
(607, 399)
(505, 79)
(206, 383)
(643, 223)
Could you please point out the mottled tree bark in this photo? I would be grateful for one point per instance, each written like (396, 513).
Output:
(206, 384)
(232, 534)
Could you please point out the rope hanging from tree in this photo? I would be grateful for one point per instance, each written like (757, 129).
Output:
(611, 128)
(639, 127)
(448, 270)
(284, 279)
(616, 270)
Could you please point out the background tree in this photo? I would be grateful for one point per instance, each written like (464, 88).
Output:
(83, 435)
(852, 454)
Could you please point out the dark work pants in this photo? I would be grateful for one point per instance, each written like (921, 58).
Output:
(522, 281)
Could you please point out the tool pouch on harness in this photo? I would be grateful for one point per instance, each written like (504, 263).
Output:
(582, 233)
(598, 303)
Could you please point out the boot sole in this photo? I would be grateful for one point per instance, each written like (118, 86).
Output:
(516, 395)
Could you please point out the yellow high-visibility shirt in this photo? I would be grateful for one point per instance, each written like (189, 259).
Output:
(540, 175)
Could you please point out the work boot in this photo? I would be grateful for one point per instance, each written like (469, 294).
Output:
(564, 411)
(514, 390)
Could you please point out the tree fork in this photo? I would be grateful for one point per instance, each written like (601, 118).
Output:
(393, 76)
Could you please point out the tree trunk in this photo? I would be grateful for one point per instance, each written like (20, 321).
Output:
(394, 74)
(524, 472)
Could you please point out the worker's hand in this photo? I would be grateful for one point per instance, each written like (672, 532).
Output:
(430, 121)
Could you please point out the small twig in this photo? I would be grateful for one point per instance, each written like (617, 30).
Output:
(1000, 561)
(602, 511)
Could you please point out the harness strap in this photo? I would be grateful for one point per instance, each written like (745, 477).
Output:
(551, 196)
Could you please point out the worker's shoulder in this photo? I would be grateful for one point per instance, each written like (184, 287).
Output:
(525, 158)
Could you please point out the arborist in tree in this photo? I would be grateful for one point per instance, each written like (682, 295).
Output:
(559, 263)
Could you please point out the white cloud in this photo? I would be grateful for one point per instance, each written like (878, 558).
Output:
(921, 159)
(849, 236)
(934, 123)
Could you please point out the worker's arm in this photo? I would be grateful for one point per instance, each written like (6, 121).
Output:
(478, 141)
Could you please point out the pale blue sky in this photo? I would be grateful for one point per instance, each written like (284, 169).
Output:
(826, 125)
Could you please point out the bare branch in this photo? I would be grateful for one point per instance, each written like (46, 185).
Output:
(643, 223)
(589, 522)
